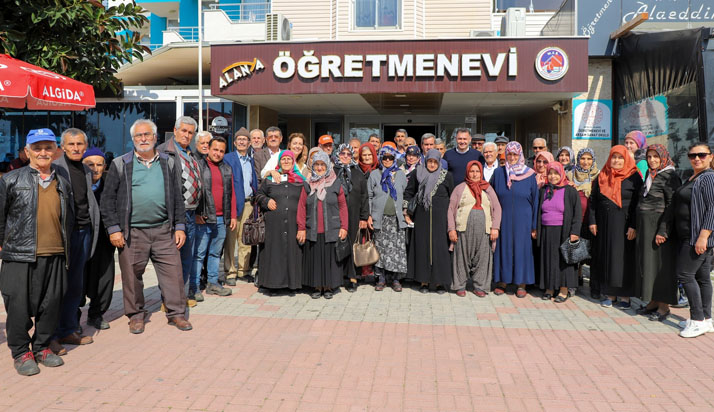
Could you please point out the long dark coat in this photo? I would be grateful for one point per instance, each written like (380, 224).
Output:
(357, 208)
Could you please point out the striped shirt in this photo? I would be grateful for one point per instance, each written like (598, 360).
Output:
(702, 207)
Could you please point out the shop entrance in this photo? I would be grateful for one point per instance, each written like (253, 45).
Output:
(413, 130)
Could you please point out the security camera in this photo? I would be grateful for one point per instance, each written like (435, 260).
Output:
(556, 107)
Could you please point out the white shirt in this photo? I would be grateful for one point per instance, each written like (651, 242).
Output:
(488, 170)
(271, 164)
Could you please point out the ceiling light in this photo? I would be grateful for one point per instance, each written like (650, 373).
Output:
(403, 105)
(400, 95)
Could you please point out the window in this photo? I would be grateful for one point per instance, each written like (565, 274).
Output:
(377, 14)
(500, 6)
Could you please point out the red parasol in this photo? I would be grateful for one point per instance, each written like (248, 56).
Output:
(22, 83)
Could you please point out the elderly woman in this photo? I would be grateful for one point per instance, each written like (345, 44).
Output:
(517, 191)
(636, 143)
(613, 213)
(354, 185)
(559, 219)
(473, 222)
(412, 156)
(281, 256)
(386, 189)
(367, 162)
(322, 219)
(694, 223)
(540, 163)
(566, 157)
(656, 280)
(428, 255)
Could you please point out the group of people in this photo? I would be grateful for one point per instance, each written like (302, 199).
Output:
(478, 216)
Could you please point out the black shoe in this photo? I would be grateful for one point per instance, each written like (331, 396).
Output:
(351, 287)
(98, 323)
(440, 290)
(328, 294)
(547, 296)
(595, 295)
(658, 317)
(561, 298)
(424, 289)
(644, 311)
(316, 294)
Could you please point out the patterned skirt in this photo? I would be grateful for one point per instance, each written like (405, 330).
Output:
(392, 245)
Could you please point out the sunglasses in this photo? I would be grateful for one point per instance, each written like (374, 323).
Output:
(701, 155)
(345, 154)
(389, 158)
(538, 147)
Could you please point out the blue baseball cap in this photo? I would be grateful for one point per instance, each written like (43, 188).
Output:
(40, 135)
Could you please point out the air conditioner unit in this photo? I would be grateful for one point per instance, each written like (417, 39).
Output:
(277, 27)
(482, 33)
(515, 22)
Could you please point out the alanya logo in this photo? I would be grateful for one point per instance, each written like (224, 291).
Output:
(61, 94)
(239, 70)
(552, 63)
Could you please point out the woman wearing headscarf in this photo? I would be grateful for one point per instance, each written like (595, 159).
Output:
(613, 216)
(354, 185)
(385, 187)
(322, 219)
(280, 257)
(411, 160)
(428, 256)
(559, 219)
(566, 157)
(540, 164)
(636, 144)
(656, 280)
(367, 161)
(517, 191)
(583, 174)
(473, 221)
(308, 161)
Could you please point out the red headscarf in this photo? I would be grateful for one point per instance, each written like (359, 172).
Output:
(476, 186)
(610, 180)
(365, 167)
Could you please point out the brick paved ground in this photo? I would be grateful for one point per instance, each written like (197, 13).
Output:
(372, 351)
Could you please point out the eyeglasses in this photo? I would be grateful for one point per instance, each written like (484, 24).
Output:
(700, 155)
(345, 154)
(146, 135)
(542, 161)
(538, 147)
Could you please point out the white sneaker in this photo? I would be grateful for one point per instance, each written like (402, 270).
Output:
(683, 324)
(695, 328)
(710, 321)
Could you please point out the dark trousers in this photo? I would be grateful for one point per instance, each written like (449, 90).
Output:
(80, 244)
(693, 272)
(32, 290)
(157, 244)
(99, 278)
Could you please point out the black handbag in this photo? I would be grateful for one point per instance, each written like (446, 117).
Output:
(575, 252)
(254, 228)
(343, 248)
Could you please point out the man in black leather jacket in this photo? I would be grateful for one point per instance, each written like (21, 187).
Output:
(36, 218)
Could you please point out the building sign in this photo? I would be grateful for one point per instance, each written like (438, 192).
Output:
(648, 116)
(497, 65)
(599, 18)
(592, 119)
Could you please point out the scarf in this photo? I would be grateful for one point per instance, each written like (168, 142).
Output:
(294, 175)
(386, 180)
(344, 171)
(583, 178)
(428, 180)
(571, 156)
(551, 188)
(638, 138)
(665, 163)
(367, 168)
(519, 170)
(610, 180)
(320, 183)
(542, 178)
(308, 161)
(476, 186)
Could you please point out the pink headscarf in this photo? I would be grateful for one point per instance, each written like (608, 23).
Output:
(542, 178)
(518, 171)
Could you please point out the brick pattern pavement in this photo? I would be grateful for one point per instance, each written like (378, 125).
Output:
(376, 351)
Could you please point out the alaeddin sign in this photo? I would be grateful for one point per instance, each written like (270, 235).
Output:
(536, 65)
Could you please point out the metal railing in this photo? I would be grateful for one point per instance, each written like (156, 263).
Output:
(246, 12)
(187, 33)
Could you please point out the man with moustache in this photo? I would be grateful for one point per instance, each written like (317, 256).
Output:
(143, 210)
(83, 238)
(35, 225)
(268, 154)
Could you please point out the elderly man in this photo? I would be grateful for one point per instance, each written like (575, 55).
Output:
(428, 142)
(99, 271)
(143, 209)
(326, 144)
(440, 146)
(257, 140)
(179, 150)
(501, 142)
(355, 143)
(245, 183)
(460, 156)
(375, 141)
(399, 137)
(83, 238)
(269, 153)
(490, 155)
(35, 225)
(477, 142)
(202, 139)
(539, 145)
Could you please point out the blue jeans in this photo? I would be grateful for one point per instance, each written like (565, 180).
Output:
(209, 240)
(80, 243)
(187, 250)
